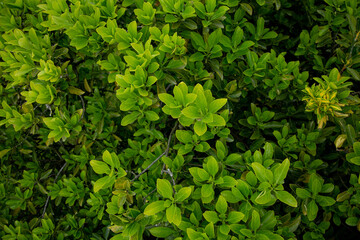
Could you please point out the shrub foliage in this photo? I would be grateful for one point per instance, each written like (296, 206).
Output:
(203, 119)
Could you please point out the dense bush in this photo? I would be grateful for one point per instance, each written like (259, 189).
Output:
(210, 119)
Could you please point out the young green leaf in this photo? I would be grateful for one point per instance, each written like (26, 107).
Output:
(130, 118)
(200, 128)
(183, 194)
(151, 116)
(264, 197)
(325, 201)
(154, 207)
(103, 183)
(260, 171)
(191, 112)
(255, 220)
(286, 198)
(108, 158)
(161, 232)
(212, 166)
(235, 217)
(164, 188)
(221, 205)
(312, 210)
(100, 167)
(173, 215)
(315, 184)
(303, 193)
(217, 104)
(281, 171)
(211, 216)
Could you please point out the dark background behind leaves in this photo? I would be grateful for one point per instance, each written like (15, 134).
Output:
(179, 119)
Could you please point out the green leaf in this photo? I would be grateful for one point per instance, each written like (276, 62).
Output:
(203, 174)
(233, 158)
(183, 194)
(191, 112)
(315, 183)
(312, 210)
(255, 220)
(130, 118)
(260, 171)
(201, 101)
(214, 38)
(193, 235)
(355, 160)
(270, 35)
(176, 64)
(269, 151)
(245, 45)
(196, 57)
(281, 171)
(211, 216)
(354, 73)
(210, 5)
(184, 136)
(218, 121)
(132, 28)
(219, 12)
(76, 91)
(212, 166)
(303, 193)
(199, 174)
(350, 133)
(53, 123)
(188, 12)
(217, 104)
(325, 201)
(167, 99)
(103, 182)
(286, 198)
(4, 152)
(151, 116)
(197, 40)
(207, 193)
(352, 221)
(100, 167)
(127, 105)
(210, 231)
(173, 215)
(224, 229)
(164, 188)
(264, 197)
(261, 2)
(108, 158)
(247, 8)
(154, 207)
(161, 232)
(235, 217)
(356, 146)
(221, 205)
(200, 128)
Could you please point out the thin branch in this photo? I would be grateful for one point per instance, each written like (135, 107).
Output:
(165, 153)
(143, 171)
(56, 177)
(168, 86)
(23, 140)
(168, 171)
(48, 108)
(144, 198)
